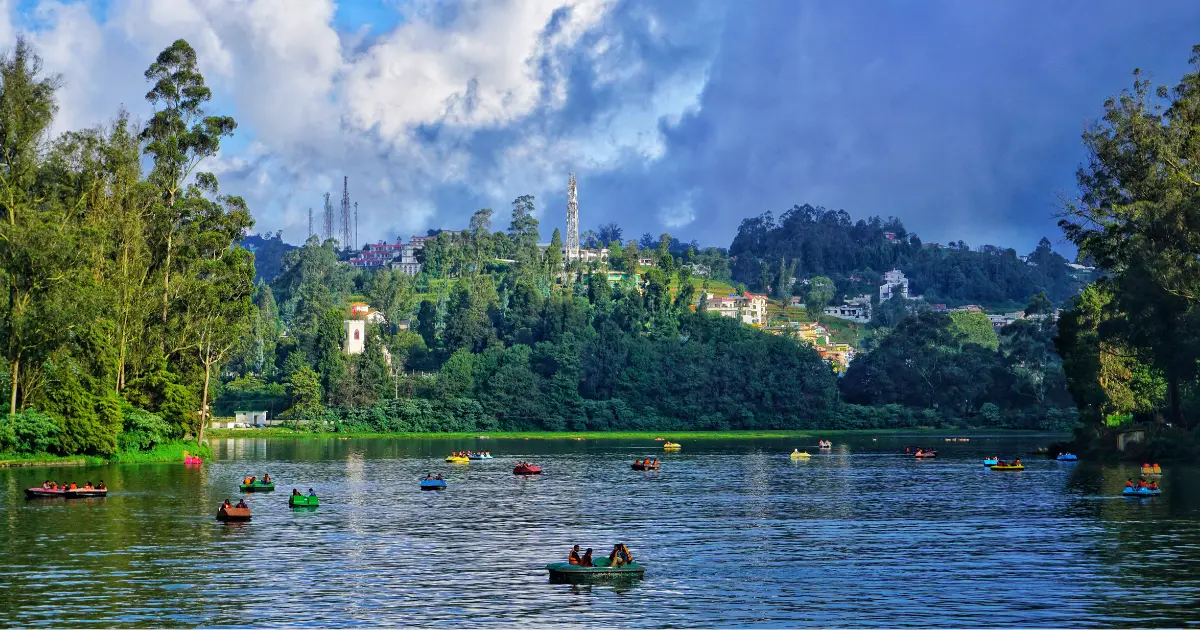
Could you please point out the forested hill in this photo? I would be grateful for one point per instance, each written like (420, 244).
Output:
(268, 250)
(808, 241)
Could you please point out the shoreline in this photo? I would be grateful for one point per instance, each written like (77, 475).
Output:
(279, 433)
(160, 454)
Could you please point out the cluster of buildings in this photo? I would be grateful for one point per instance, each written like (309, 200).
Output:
(398, 255)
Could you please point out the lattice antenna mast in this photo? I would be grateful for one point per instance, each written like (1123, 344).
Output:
(328, 218)
(572, 245)
(310, 223)
(356, 226)
(347, 232)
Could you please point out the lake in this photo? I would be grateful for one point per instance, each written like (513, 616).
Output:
(732, 533)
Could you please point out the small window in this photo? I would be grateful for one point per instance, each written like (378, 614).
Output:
(356, 335)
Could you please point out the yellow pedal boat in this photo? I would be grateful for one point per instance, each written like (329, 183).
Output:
(453, 459)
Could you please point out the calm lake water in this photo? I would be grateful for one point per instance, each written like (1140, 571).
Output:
(733, 533)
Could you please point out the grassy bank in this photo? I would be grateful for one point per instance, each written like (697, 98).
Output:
(169, 452)
(279, 432)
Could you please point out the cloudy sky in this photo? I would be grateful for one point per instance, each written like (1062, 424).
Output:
(960, 117)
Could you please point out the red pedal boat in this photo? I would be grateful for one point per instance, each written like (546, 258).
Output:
(526, 469)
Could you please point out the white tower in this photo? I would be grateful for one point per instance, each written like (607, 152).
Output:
(572, 245)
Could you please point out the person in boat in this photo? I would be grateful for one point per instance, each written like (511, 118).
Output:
(312, 493)
(586, 560)
(226, 505)
(428, 476)
(73, 486)
(296, 493)
(100, 486)
(438, 477)
(625, 555)
(88, 486)
(1153, 485)
(1017, 462)
(614, 559)
(573, 557)
(1129, 482)
(242, 504)
(266, 478)
(1141, 484)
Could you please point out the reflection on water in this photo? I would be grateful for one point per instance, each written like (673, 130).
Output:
(733, 533)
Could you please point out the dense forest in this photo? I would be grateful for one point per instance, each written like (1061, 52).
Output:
(124, 294)
(811, 241)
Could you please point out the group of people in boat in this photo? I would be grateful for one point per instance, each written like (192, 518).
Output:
(240, 504)
(1147, 469)
(924, 452)
(525, 465)
(648, 463)
(1002, 463)
(249, 480)
(54, 485)
(1141, 484)
(824, 444)
(471, 454)
(620, 556)
(429, 477)
(311, 493)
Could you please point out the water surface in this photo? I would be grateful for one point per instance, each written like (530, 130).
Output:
(732, 531)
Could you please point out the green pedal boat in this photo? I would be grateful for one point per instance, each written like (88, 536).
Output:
(566, 573)
(258, 486)
(303, 501)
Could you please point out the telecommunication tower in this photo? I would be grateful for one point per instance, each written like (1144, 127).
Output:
(347, 230)
(328, 218)
(572, 245)
(310, 225)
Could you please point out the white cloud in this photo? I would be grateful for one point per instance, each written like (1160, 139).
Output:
(404, 115)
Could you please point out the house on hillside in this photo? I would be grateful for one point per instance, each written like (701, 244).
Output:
(749, 309)
(855, 309)
(894, 283)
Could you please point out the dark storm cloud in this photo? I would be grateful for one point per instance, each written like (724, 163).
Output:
(962, 118)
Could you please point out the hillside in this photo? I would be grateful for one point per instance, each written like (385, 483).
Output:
(809, 241)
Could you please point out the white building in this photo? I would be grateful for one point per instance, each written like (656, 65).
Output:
(251, 418)
(749, 308)
(356, 336)
(894, 283)
(856, 310)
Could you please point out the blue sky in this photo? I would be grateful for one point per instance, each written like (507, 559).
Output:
(961, 118)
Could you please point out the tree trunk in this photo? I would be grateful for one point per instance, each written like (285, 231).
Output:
(166, 285)
(1176, 414)
(12, 405)
(204, 404)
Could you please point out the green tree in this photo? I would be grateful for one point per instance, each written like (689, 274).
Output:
(179, 136)
(974, 327)
(1136, 217)
(820, 292)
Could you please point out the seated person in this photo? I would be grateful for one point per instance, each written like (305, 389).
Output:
(586, 560)
(88, 486)
(623, 553)
(573, 557)
(312, 493)
(295, 492)
(226, 504)
(266, 478)
(242, 504)
(100, 486)
(614, 559)
(438, 478)
(1129, 482)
